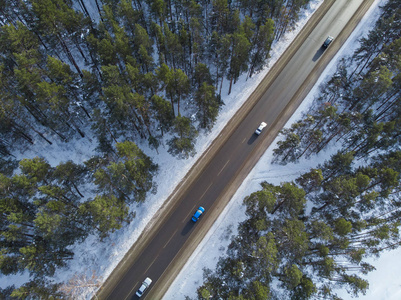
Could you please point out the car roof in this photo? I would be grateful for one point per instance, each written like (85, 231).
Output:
(148, 280)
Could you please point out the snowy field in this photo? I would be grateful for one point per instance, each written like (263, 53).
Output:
(103, 257)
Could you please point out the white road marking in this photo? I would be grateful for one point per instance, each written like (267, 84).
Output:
(206, 190)
(131, 290)
(151, 264)
(187, 216)
(170, 238)
(223, 167)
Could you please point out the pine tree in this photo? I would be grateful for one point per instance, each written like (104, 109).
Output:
(56, 21)
(7, 166)
(240, 47)
(261, 41)
(163, 113)
(37, 169)
(165, 74)
(183, 145)
(62, 75)
(129, 176)
(158, 10)
(37, 288)
(219, 48)
(71, 176)
(173, 48)
(143, 45)
(121, 102)
(202, 74)
(208, 105)
(220, 12)
(293, 276)
(197, 40)
(311, 181)
(289, 147)
(107, 213)
(130, 16)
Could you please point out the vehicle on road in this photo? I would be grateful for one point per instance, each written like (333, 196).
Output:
(198, 213)
(328, 41)
(260, 128)
(145, 284)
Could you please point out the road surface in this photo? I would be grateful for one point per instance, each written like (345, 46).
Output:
(164, 247)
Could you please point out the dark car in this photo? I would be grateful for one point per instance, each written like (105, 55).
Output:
(197, 214)
(328, 41)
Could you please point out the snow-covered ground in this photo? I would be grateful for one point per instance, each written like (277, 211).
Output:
(102, 257)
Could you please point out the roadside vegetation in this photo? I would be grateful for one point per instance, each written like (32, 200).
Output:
(127, 73)
(307, 238)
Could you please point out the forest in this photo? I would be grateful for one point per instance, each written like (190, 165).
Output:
(116, 73)
(308, 238)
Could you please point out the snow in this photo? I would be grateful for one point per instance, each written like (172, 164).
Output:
(102, 257)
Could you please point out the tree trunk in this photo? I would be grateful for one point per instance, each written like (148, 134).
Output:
(76, 188)
(172, 104)
(231, 83)
(69, 55)
(83, 6)
(109, 131)
(378, 116)
(98, 9)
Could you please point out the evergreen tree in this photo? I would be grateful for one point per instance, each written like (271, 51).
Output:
(107, 213)
(202, 74)
(37, 288)
(208, 105)
(57, 22)
(183, 145)
(163, 113)
(261, 42)
(143, 44)
(128, 176)
(239, 56)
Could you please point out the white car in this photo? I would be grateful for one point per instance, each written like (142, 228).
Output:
(145, 284)
(260, 128)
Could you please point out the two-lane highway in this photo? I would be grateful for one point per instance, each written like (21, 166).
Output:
(164, 248)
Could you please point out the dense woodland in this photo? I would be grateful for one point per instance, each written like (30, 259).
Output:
(114, 72)
(307, 238)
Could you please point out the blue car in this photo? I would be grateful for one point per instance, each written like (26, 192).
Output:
(197, 214)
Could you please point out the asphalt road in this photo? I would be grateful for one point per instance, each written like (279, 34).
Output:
(170, 238)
